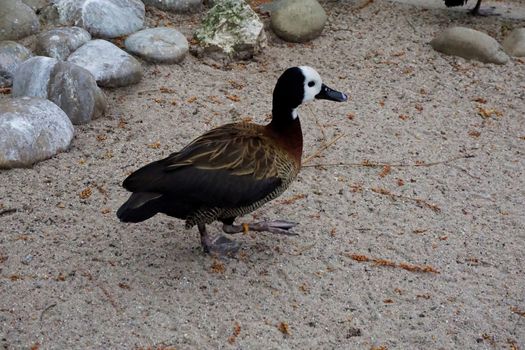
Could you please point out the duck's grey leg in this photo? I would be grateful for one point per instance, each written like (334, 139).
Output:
(476, 11)
(218, 244)
(278, 226)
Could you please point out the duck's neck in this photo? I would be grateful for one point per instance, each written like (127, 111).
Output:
(285, 127)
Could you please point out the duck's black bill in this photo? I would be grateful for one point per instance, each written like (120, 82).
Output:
(330, 94)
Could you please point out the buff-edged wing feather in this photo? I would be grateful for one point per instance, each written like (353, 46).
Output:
(230, 166)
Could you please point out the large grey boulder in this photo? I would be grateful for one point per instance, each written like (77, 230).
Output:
(69, 86)
(75, 90)
(37, 5)
(164, 45)
(32, 77)
(59, 43)
(11, 55)
(102, 18)
(175, 5)
(514, 44)
(231, 29)
(111, 66)
(470, 44)
(298, 20)
(31, 129)
(17, 20)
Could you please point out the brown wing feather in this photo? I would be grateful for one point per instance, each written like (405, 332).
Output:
(241, 149)
(233, 165)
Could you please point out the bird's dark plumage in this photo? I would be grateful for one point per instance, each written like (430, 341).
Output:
(452, 3)
(231, 170)
(233, 166)
(474, 11)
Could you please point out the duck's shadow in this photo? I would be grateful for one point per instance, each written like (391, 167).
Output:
(180, 249)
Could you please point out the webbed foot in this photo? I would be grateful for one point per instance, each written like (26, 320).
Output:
(277, 226)
(217, 245)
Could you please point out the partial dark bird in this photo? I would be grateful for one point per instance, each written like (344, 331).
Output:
(231, 170)
(475, 11)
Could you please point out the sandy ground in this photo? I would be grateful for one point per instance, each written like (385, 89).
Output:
(451, 201)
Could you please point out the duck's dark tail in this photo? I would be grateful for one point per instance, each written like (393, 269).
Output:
(139, 207)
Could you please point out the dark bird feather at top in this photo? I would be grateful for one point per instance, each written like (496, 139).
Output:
(475, 11)
(231, 170)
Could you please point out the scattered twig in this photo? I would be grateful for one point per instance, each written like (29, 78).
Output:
(419, 201)
(518, 311)
(303, 249)
(46, 310)
(292, 199)
(323, 148)
(466, 172)
(236, 332)
(385, 171)
(382, 164)
(388, 263)
(217, 267)
(364, 4)
(319, 125)
(412, 25)
(284, 328)
(109, 297)
(162, 89)
(8, 211)
(15, 277)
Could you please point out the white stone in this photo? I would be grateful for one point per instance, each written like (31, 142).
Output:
(164, 45)
(37, 4)
(103, 18)
(69, 86)
(11, 55)
(75, 91)
(470, 44)
(31, 129)
(175, 5)
(298, 20)
(231, 29)
(111, 66)
(514, 44)
(32, 77)
(17, 20)
(60, 42)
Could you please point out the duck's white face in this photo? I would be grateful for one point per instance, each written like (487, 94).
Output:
(312, 83)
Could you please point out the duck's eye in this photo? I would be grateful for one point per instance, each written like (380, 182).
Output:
(311, 83)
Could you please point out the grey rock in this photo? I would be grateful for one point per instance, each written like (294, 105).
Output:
(231, 29)
(175, 5)
(75, 90)
(26, 260)
(49, 15)
(32, 77)
(17, 20)
(514, 44)
(60, 42)
(11, 55)
(69, 86)
(103, 18)
(298, 20)
(111, 66)
(470, 44)
(37, 5)
(31, 130)
(165, 45)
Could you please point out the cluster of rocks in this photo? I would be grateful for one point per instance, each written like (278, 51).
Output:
(57, 84)
(475, 45)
